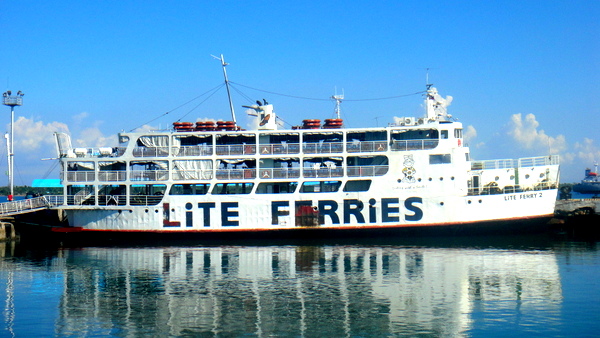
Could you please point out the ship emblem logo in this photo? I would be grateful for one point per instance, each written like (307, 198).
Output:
(409, 170)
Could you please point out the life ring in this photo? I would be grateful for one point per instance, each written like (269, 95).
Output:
(265, 174)
(459, 142)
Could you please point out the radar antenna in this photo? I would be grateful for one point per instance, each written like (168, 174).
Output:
(338, 102)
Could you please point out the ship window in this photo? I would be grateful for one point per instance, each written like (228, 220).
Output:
(189, 189)
(232, 188)
(321, 186)
(458, 133)
(444, 134)
(367, 166)
(358, 185)
(440, 159)
(408, 140)
(418, 134)
(80, 195)
(146, 194)
(112, 195)
(276, 188)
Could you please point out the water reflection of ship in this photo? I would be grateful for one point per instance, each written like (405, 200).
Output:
(299, 291)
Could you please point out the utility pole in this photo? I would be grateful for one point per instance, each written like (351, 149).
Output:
(12, 101)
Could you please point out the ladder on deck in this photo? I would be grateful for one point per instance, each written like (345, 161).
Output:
(28, 205)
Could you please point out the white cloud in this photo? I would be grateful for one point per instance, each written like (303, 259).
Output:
(470, 134)
(31, 135)
(573, 158)
(586, 152)
(93, 137)
(525, 132)
(78, 119)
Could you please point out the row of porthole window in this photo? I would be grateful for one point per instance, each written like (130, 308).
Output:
(429, 179)
(469, 202)
(147, 211)
(512, 177)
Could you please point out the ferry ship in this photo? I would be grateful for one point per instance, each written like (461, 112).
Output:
(313, 179)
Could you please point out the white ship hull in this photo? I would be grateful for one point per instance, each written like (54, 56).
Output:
(390, 209)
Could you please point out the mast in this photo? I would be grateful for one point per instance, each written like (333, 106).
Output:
(224, 64)
(338, 102)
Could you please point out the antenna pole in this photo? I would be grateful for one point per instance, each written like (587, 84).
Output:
(224, 64)
(338, 102)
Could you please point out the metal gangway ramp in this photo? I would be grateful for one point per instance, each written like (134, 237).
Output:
(28, 205)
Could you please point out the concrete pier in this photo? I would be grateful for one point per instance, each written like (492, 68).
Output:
(7, 232)
(577, 207)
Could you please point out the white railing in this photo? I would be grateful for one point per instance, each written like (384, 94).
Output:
(368, 170)
(236, 174)
(406, 145)
(366, 146)
(279, 148)
(80, 176)
(145, 199)
(151, 152)
(280, 173)
(201, 150)
(323, 172)
(27, 205)
(236, 149)
(112, 200)
(112, 175)
(510, 189)
(149, 175)
(323, 148)
(515, 163)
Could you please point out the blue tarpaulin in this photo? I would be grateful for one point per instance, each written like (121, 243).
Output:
(46, 183)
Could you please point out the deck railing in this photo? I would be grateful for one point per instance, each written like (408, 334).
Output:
(515, 163)
(323, 172)
(323, 148)
(236, 149)
(407, 145)
(80, 176)
(368, 170)
(151, 151)
(201, 150)
(149, 175)
(366, 146)
(279, 148)
(236, 174)
(279, 173)
(112, 175)
(495, 190)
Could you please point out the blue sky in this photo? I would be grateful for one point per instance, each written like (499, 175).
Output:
(524, 74)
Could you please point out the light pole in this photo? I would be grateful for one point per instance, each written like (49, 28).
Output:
(12, 102)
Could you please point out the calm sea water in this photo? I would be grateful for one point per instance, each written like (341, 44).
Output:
(525, 286)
